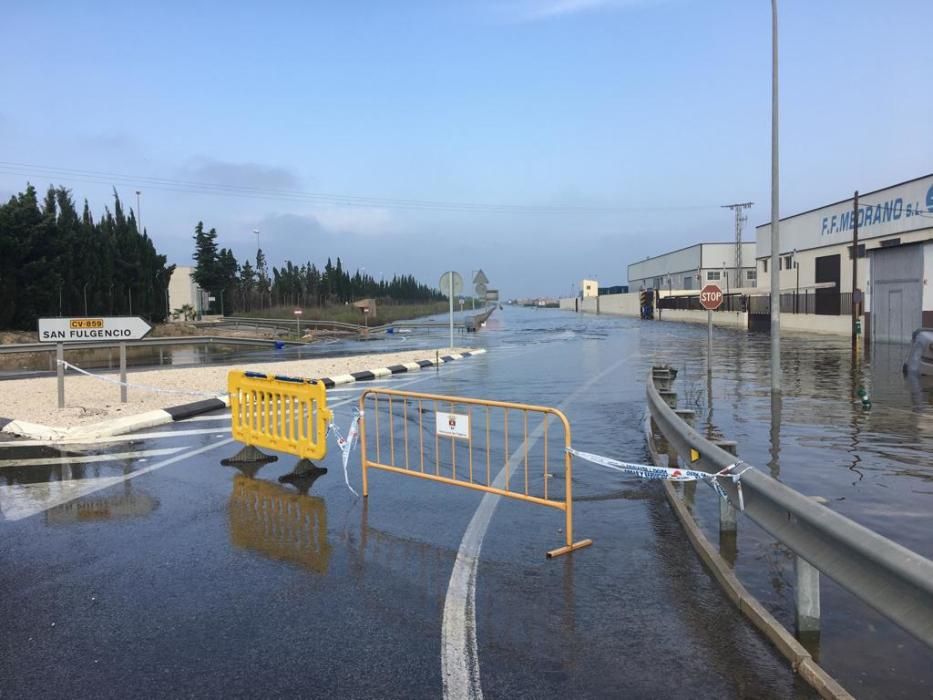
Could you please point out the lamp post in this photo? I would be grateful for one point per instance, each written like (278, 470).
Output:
(139, 213)
(775, 211)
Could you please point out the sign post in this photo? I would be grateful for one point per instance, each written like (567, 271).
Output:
(452, 282)
(298, 313)
(102, 329)
(122, 372)
(710, 299)
(60, 357)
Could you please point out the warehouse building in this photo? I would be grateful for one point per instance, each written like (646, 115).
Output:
(694, 267)
(894, 259)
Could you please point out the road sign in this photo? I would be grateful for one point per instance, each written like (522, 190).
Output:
(445, 284)
(492, 295)
(480, 278)
(480, 289)
(298, 312)
(711, 297)
(119, 328)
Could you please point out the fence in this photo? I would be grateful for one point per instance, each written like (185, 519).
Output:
(730, 302)
(466, 442)
(284, 414)
(824, 302)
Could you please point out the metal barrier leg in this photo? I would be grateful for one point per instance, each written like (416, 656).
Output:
(248, 454)
(303, 475)
(808, 597)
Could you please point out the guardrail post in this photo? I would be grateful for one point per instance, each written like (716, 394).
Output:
(727, 517)
(122, 372)
(688, 416)
(808, 597)
(670, 397)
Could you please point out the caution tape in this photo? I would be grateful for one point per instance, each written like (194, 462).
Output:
(346, 444)
(651, 472)
(156, 389)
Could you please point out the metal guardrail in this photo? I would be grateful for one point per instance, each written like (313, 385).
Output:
(890, 578)
(13, 349)
(283, 323)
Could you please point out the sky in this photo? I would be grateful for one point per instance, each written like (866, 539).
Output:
(543, 141)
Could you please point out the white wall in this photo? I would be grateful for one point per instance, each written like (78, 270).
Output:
(568, 303)
(927, 274)
(727, 319)
(685, 259)
(714, 254)
(620, 304)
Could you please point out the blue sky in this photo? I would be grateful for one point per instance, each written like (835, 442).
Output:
(609, 130)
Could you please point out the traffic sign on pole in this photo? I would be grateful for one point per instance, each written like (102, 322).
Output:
(711, 297)
(115, 328)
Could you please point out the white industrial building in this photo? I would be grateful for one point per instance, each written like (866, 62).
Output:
(694, 267)
(894, 259)
(183, 290)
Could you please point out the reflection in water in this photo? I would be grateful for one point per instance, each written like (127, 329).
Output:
(91, 509)
(274, 521)
(777, 407)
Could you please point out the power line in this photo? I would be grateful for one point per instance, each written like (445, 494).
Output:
(219, 189)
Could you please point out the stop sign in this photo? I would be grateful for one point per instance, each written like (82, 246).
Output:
(711, 297)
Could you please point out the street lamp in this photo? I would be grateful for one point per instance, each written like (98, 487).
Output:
(775, 211)
(139, 214)
(797, 285)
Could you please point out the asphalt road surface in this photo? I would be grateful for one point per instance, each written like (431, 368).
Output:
(142, 567)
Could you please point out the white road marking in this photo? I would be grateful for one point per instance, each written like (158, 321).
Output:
(18, 501)
(83, 459)
(459, 650)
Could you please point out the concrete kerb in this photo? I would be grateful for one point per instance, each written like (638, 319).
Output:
(151, 419)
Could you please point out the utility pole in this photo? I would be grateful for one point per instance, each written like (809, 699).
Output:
(775, 213)
(740, 220)
(139, 214)
(854, 271)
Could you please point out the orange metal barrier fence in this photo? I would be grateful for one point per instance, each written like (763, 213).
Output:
(466, 442)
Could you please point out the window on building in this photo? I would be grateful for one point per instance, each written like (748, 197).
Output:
(788, 262)
(712, 275)
(751, 274)
(861, 251)
(765, 263)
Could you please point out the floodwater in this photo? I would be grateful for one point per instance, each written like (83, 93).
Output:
(872, 464)
(635, 614)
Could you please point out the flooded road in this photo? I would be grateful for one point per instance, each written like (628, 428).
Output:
(166, 573)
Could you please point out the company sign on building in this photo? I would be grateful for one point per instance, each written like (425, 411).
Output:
(894, 210)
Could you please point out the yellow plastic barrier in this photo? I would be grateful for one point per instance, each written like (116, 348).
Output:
(284, 414)
(465, 442)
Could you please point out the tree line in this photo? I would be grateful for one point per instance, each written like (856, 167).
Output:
(248, 287)
(55, 261)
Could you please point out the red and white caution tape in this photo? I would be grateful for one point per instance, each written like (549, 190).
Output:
(159, 390)
(651, 472)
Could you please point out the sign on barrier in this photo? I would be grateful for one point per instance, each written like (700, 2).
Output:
(466, 442)
(285, 414)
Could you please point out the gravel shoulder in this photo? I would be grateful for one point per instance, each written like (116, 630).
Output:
(92, 400)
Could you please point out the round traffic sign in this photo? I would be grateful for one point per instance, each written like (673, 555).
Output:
(457, 283)
(711, 297)
(480, 289)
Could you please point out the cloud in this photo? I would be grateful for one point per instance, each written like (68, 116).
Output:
(251, 175)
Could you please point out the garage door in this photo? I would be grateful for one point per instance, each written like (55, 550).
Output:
(896, 293)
